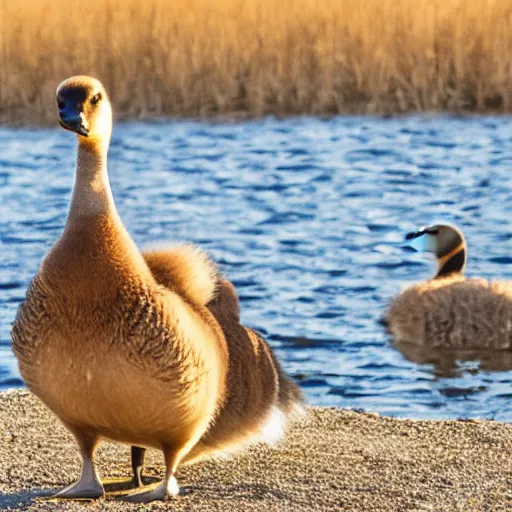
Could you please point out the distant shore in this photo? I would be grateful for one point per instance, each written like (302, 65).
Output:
(332, 460)
(213, 58)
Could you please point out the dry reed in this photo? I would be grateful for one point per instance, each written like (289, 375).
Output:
(211, 57)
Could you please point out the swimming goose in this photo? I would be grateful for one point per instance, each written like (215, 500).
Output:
(260, 399)
(110, 351)
(450, 310)
(132, 347)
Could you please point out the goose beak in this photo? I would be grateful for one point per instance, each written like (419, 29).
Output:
(74, 120)
(416, 234)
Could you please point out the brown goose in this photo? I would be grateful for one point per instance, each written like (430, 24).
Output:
(123, 347)
(450, 310)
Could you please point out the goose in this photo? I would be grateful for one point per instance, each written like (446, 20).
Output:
(451, 310)
(110, 348)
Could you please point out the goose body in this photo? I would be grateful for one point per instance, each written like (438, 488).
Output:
(120, 345)
(450, 310)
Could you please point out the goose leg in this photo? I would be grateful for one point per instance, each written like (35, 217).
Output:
(138, 455)
(89, 485)
(168, 486)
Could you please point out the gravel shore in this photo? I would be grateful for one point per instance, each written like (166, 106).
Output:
(332, 459)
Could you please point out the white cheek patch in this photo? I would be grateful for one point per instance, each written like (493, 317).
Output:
(425, 243)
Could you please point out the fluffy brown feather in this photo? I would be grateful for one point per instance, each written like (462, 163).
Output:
(257, 388)
(185, 269)
(454, 312)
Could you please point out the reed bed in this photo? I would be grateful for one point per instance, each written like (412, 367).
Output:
(255, 57)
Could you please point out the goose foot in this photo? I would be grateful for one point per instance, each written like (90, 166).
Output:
(160, 492)
(88, 487)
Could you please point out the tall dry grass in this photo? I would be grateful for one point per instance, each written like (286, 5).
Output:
(207, 57)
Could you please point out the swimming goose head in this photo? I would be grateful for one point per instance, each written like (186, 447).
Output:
(84, 108)
(446, 242)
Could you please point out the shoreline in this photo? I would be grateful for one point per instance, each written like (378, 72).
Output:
(37, 122)
(332, 459)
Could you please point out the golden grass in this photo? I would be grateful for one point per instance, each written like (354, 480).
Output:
(209, 57)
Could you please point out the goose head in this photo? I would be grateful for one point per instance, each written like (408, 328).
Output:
(446, 242)
(84, 108)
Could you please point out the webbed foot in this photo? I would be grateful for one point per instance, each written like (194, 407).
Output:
(83, 489)
(160, 492)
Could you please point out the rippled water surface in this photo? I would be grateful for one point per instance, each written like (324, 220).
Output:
(307, 218)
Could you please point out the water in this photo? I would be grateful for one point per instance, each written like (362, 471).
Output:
(307, 217)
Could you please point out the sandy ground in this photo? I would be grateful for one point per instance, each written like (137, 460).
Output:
(331, 460)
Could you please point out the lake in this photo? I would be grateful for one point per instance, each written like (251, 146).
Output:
(307, 218)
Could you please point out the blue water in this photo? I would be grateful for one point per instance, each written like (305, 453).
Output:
(307, 217)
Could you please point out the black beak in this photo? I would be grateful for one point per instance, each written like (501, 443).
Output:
(415, 234)
(71, 119)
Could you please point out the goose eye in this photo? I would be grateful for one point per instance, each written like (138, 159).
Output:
(96, 98)
(61, 104)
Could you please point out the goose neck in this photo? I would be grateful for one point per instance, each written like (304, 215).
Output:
(91, 191)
